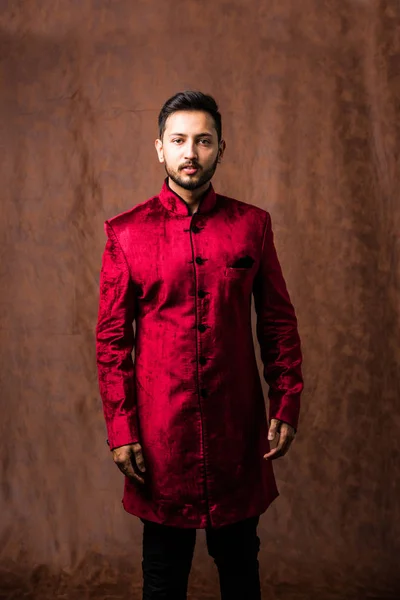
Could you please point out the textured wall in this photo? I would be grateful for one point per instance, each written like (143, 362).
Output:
(309, 93)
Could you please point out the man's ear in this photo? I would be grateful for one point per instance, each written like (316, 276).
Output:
(221, 150)
(159, 148)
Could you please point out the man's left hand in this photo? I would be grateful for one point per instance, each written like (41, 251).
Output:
(285, 435)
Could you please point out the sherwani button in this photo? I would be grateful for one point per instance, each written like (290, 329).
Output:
(204, 393)
(199, 260)
(202, 360)
(196, 229)
(201, 293)
(202, 328)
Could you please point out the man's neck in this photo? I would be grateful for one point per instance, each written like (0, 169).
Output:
(191, 197)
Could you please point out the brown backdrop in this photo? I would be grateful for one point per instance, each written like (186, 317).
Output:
(309, 93)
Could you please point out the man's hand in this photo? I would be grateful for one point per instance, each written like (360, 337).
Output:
(285, 434)
(129, 460)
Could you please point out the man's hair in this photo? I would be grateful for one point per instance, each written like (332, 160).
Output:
(190, 100)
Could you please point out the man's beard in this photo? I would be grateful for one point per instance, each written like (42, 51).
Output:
(192, 183)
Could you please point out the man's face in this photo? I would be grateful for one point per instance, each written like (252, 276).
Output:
(189, 148)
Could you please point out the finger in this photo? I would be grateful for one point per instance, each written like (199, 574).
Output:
(288, 429)
(138, 478)
(272, 452)
(285, 447)
(272, 429)
(127, 469)
(126, 462)
(281, 448)
(137, 463)
(140, 461)
(277, 452)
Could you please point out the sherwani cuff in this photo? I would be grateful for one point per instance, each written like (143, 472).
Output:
(287, 410)
(122, 431)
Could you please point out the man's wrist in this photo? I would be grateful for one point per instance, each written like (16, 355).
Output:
(128, 444)
(286, 423)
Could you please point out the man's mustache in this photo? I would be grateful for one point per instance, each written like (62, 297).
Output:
(191, 165)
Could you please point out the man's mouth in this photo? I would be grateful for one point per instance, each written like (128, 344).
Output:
(190, 170)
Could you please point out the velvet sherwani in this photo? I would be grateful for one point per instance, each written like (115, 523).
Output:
(176, 290)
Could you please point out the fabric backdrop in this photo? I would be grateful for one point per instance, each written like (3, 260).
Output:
(309, 92)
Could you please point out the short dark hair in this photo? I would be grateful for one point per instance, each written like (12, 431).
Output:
(190, 100)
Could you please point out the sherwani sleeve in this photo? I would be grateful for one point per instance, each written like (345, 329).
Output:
(114, 344)
(277, 334)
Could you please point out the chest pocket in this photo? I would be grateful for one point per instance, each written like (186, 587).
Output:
(240, 268)
(237, 273)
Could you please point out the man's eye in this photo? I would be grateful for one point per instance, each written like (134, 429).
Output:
(177, 140)
(205, 141)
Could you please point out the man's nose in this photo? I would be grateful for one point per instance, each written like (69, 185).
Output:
(190, 150)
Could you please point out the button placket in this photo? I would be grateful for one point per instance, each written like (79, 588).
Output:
(199, 260)
(199, 293)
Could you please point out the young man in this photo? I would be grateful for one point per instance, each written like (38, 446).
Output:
(186, 420)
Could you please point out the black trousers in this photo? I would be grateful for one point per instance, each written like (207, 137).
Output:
(168, 553)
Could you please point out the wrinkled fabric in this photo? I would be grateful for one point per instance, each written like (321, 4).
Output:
(192, 396)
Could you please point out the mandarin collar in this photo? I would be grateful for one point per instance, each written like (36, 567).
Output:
(174, 203)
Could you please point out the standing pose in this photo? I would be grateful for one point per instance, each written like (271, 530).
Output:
(186, 419)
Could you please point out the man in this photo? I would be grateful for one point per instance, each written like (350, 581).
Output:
(186, 420)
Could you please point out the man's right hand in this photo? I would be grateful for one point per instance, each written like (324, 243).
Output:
(129, 460)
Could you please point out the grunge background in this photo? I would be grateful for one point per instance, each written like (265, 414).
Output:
(310, 97)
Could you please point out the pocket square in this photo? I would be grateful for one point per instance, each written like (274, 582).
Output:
(245, 262)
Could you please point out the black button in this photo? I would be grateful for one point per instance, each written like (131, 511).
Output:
(202, 360)
(196, 229)
(202, 327)
(201, 293)
(199, 260)
(204, 393)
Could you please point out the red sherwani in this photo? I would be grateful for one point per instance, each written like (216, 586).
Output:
(192, 396)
